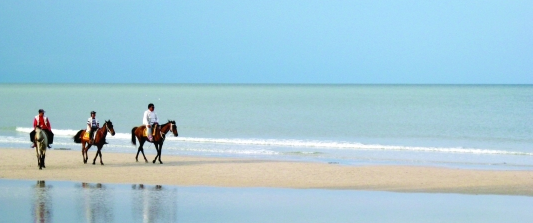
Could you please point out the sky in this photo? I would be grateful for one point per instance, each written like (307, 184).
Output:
(267, 41)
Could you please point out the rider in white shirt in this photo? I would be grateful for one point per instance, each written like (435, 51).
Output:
(92, 126)
(149, 119)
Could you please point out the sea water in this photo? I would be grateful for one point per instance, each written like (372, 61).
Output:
(459, 126)
(53, 201)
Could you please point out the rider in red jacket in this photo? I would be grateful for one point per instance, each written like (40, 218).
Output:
(43, 122)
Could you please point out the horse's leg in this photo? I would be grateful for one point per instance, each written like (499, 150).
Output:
(137, 156)
(160, 151)
(99, 153)
(43, 152)
(157, 151)
(86, 147)
(41, 157)
(101, 163)
(141, 148)
(38, 156)
(138, 151)
(87, 151)
(83, 152)
(96, 156)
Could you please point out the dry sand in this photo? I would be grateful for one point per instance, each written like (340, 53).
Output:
(67, 165)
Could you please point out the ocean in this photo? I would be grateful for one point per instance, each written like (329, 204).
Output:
(456, 126)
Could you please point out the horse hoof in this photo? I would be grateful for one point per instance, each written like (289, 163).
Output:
(94, 163)
(160, 162)
(102, 163)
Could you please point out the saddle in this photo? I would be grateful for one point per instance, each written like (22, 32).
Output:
(145, 131)
(86, 136)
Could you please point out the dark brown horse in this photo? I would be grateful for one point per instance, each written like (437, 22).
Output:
(158, 138)
(99, 141)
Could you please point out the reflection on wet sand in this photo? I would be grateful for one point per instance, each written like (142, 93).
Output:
(154, 203)
(42, 204)
(96, 203)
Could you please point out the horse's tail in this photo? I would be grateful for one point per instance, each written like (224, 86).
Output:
(77, 138)
(133, 140)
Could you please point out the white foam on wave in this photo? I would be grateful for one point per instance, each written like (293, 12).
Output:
(305, 144)
(228, 151)
(71, 132)
(57, 132)
(346, 145)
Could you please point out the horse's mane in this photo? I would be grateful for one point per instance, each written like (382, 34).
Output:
(170, 121)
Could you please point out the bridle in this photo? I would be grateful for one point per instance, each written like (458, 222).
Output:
(171, 129)
(106, 128)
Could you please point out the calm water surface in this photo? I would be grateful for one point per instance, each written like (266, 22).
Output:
(51, 201)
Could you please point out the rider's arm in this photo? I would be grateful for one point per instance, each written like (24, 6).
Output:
(146, 119)
(47, 121)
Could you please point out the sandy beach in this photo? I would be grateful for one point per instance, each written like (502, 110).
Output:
(65, 165)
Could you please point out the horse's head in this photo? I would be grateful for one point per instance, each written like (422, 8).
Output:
(173, 128)
(38, 133)
(109, 125)
(40, 136)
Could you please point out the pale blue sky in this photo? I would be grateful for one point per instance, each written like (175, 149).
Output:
(271, 41)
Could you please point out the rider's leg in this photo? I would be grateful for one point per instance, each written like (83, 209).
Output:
(91, 136)
(32, 139)
(49, 136)
(149, 133)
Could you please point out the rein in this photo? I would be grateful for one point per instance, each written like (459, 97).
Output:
(104, 133)
(163, 133)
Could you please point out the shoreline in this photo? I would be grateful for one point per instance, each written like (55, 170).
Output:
(121, 168)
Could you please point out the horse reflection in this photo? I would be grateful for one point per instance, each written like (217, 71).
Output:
(96, 203)
(154, 203)
(42, 205)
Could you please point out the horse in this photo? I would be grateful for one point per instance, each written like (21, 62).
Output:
(158, 138)
(41, 141)
(99, 140)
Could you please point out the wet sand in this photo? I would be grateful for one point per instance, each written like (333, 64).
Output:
(65, 165)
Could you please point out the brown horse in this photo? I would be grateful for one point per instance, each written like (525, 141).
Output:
(158, 138)
(99, 140)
